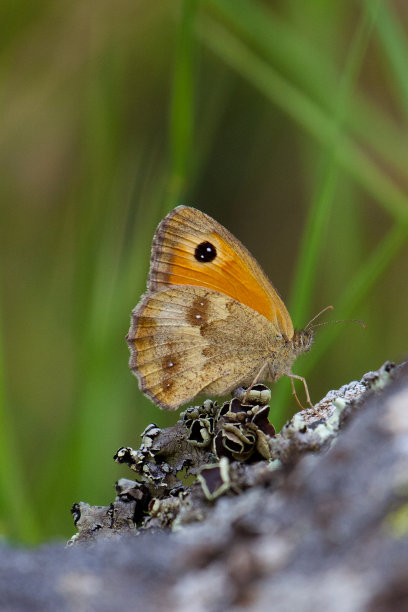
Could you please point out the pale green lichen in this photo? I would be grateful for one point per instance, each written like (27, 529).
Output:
(274, 464)
(332, 424)
(298, 423)
(396, 522)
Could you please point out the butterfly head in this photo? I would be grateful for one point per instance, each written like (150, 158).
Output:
(302, 340)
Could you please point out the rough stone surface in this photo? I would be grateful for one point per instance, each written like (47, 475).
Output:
(322, 526)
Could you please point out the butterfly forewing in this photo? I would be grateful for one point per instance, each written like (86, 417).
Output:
(191, 248)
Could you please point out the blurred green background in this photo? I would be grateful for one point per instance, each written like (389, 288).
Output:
(285, 120)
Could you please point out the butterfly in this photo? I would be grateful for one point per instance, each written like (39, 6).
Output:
(210, 320)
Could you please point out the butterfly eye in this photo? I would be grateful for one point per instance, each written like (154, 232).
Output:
(205, 252)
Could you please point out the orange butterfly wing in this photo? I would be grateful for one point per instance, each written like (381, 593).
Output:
(191, 248)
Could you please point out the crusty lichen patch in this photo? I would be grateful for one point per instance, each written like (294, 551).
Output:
(231, 448)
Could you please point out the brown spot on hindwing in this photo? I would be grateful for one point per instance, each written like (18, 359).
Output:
(170, 365)
(197, 315)
(167, 385)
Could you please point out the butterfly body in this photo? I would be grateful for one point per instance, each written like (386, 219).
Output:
(210, 320)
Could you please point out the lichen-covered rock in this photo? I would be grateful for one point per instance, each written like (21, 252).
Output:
(201, 442)
(231, 448)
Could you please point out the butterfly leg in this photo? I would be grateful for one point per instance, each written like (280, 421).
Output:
(256, 379)
(308, 400)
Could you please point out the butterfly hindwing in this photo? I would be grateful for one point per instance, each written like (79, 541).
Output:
(186, 338)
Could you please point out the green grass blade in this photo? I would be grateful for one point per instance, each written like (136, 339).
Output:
(358, 288)
(395, 45)
(318, 214)
(182, 107)
(17, 518)
(288, 51)
(354, 294)
(308, 115)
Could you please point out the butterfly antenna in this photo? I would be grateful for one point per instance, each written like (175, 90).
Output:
(340, 321)
(318, 315)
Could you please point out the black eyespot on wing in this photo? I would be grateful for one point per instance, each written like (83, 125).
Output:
(205, 252)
